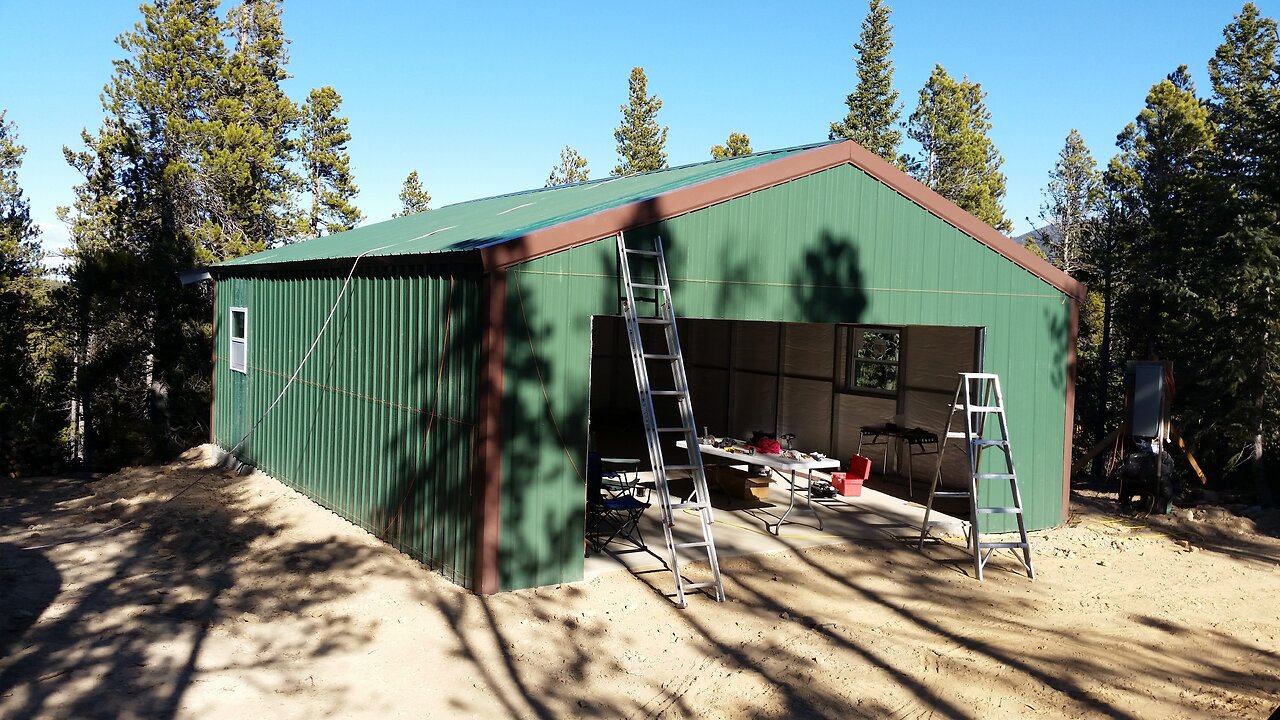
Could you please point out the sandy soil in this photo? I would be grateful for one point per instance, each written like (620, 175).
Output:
(243, 599)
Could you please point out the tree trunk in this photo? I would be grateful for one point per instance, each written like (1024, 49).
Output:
(1266, 493)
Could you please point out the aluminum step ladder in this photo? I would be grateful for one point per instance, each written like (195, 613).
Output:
(656, 289)
(978, 396)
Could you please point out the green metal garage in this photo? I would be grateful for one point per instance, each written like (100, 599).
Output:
(460, 361)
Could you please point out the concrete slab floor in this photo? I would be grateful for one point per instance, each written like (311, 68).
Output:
(742, 527)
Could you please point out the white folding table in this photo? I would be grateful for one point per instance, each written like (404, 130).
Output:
(784, 468)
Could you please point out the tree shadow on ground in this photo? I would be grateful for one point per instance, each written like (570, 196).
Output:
(586, 666)
(892, 637)
(124, 632)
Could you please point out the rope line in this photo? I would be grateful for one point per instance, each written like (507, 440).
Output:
(369, 398)
(328, 319)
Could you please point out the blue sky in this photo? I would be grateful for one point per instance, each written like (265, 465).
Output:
(479, 98)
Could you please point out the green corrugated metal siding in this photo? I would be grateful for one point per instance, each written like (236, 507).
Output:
(478, 223)
(837, 246)
(352, 431)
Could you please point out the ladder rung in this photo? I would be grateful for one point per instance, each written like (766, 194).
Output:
(695, 586)
(999, 545)
(985, 409)
(994, 476)
(994, 510)
(956, 435)
(950, 493)
(979, 441)
(664, 315)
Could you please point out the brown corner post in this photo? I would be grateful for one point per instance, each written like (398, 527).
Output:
(1073, 337)
(488, 479)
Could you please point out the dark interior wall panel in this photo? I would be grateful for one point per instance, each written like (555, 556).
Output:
(755, 346)
(755, 404)
(855, 411)
(806, 412)
(706, 342)
(934, 355)
(934, 358)
(709, 388)
(809, 350)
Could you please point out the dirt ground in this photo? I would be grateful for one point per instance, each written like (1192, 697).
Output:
(241, 598)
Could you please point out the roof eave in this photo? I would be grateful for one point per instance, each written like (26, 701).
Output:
(581, 231)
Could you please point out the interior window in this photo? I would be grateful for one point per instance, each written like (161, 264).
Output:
(239, 339)
(873, 355)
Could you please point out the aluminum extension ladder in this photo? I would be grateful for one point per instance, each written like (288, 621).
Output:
(977, 396)
(658, 283)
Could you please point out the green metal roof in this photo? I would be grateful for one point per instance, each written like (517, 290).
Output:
(482, 223)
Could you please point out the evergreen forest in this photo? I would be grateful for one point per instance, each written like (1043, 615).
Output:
(201, 156)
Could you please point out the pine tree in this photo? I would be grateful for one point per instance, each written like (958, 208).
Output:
(738, 144)
(1071, 200)
(1163, 168)
(1246, 90)
(328, 166)
(641, 143)
(19, 235)
(572, 169)
(874, 109)
(140, 217)
(1167, 213)
(1246, 369)
(958, 159)
(1034, 246)
(413, 198)
(253, 122)
(20, 272)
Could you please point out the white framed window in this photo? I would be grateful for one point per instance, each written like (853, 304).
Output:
(872, 356)
(239, 349)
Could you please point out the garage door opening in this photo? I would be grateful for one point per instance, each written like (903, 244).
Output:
(823, 383)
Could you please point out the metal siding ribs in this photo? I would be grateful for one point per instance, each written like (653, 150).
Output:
(350, 433)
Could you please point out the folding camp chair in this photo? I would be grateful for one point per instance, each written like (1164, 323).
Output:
(613, 510)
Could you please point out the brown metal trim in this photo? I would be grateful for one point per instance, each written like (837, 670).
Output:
(488, 472)
(961, 220)
(678, 202)
(1073, 336)
(213, 364)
